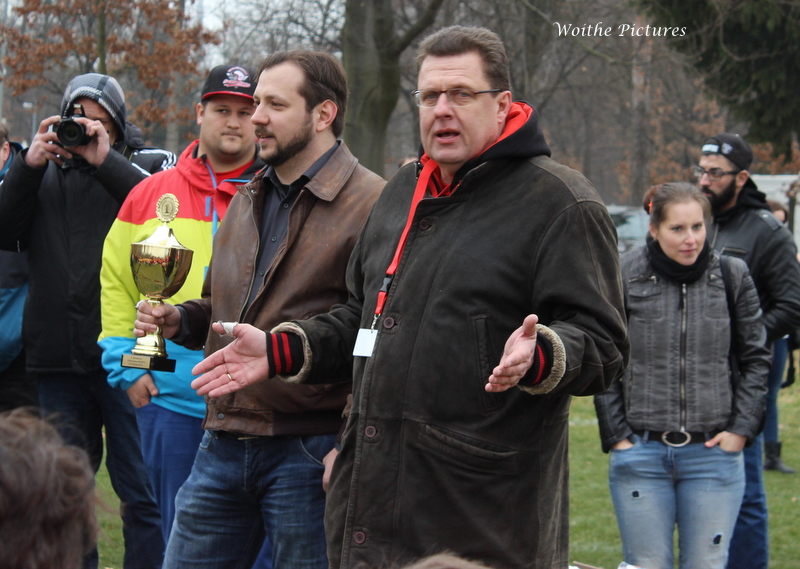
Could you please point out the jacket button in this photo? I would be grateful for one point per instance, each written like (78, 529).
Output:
(388, 322)
(424, 224)
(370, 431)
(359, 537)
(220, 416)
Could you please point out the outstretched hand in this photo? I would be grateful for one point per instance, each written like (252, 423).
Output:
(517, 357)
(241, 363)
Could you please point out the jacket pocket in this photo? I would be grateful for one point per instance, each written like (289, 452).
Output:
(466, 450)
(485, 361)
(645, 302)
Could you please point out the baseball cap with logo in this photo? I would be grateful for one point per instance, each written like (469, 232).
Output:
(731, 146)
(229, 80)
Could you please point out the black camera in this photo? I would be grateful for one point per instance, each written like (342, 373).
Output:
(69, 131)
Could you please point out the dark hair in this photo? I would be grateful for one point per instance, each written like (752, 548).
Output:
(325, 79)
(658, 198)
(3, 133)
(47, 501)
(457, 40)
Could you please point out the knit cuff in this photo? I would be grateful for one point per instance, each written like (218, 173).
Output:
(284, 353)
(542, 362)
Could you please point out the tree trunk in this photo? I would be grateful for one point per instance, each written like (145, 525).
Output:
(101, 36)
(640, 148)
(172, 142)
(371, 52)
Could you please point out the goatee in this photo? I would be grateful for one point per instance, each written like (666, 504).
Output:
(285, 152)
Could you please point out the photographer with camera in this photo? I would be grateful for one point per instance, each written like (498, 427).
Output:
(58, 202)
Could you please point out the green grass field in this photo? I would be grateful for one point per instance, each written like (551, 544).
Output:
(594, 534)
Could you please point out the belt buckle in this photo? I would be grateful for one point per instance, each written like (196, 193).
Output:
(665, 434)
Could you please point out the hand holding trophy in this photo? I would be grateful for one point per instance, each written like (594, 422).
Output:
(160, 265)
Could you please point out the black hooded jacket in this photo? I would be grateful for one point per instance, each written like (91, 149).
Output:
(430, 460)
(749, 231)
(61, 215)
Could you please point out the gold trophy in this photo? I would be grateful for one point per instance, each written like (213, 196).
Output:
(160, 265)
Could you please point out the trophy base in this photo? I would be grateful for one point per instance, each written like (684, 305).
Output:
(155, 363)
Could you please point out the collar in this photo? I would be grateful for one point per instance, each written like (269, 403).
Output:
(521, 138)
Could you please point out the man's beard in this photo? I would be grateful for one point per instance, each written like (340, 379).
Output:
(720, 201)
(285, 152)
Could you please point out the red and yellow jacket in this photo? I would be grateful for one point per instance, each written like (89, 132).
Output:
(203, 198)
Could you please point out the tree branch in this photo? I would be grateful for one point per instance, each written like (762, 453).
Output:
(418, 27)
(581, 43)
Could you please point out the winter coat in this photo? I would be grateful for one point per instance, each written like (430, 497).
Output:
(202, 202)
(306, 277)
(430, 461)
(749, 231)
(679, 376)
(61, 215)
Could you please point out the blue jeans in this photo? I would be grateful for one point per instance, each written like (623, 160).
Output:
(240, 491)
(169, 445)
(655, 486)
(82, 406)
(750, 544)
(780, 351)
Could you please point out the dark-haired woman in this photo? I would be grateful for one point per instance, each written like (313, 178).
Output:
(677, 421)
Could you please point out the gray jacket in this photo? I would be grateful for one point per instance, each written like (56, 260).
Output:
(679, 373)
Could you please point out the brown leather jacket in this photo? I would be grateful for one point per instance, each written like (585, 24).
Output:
(306, 277)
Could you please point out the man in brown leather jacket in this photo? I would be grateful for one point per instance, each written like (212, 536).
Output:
(280, 254)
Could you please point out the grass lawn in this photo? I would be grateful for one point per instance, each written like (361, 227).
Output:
(594, 534)
(593, 526)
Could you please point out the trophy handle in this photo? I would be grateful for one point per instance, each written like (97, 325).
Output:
(151, 344)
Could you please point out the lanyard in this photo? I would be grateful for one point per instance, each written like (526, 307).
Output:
(214, 216)
(419, 193)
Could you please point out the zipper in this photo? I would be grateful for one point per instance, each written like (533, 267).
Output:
(684, 326)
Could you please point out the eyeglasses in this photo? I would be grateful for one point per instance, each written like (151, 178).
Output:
(715, 174)
(428, 98)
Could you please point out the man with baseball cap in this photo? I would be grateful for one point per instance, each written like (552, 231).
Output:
(745, 228)
(169, 413)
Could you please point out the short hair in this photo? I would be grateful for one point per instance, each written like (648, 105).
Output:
(658, 198)
(458, 40)
(325, 79)
(47, 500)
(3, 133)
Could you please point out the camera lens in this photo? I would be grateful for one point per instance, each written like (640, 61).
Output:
(72, 133)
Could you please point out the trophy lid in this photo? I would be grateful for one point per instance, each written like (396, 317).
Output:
(166, 211)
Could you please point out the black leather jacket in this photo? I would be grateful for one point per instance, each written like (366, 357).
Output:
(749, 231)
(679, 373)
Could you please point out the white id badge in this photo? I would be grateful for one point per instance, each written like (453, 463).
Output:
(365, 343)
